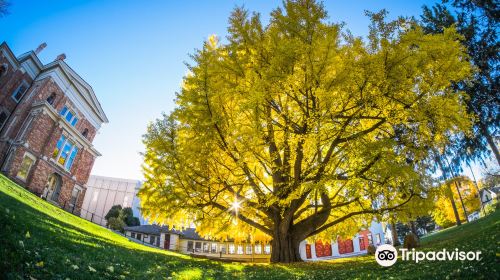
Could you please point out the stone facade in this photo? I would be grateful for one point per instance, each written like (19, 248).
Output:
(49, 117)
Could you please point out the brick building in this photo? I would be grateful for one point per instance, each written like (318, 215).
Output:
(49, 117)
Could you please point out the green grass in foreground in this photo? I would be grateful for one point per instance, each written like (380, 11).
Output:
(40, 241)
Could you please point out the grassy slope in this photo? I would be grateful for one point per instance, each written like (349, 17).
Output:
(62, 246)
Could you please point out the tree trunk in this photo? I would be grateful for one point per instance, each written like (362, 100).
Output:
(454, 206)
(413, 228)
(491, 141)
(458, 186)
(285, 249)
(452, 200)
(395, 240)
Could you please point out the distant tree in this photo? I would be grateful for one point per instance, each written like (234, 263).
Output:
(114, 212)
(4, 8)
(128, 217)
(425, 224)
(116, 223)
(421, 225)
(444, 214)
(402, 230)
(490, 179)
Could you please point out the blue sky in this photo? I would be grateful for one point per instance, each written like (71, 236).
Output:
(132, 53)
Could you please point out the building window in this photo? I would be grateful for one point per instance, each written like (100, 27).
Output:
(190, 246)
(231, 249)
(133, 235)
(69, 116)
(51, 98)
(370, 239)
(19, 92)
(205, 247)
(3, 69)
(85, 132)
(239, 250)
(267, 249)
(26, 165)
(249, 249)
(258, 249)
(197, 247)
(362, 245)
(3, 119)
(213, 248)
(152, 239)
(65, 152)
(223, 248)
(139, 236)
(378, 239)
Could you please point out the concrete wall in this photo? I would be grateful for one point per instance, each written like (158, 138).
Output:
(104, 192)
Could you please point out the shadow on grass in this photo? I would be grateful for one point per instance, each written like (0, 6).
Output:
(62, 245)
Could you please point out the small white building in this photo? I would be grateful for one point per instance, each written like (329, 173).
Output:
(357, 245)
(104, 192)
(187, 241)
(489, 195)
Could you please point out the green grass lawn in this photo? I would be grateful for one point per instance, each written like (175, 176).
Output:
(40, 241)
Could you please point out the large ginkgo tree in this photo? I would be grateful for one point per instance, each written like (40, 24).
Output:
(297, 129)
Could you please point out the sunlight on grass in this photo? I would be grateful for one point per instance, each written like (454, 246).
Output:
(189, 274)
(61, 245)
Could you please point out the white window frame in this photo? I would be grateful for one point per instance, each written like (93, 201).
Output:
(267, 249)
(213, 248)
(240, 250)
(258, 249)
(223, 248)
(73, 112)
(23, 83)
(68, 139)
(33, 158)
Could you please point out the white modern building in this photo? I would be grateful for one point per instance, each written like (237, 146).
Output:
(104, 192)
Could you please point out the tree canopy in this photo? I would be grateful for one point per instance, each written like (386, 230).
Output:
(478, 23)
(118, 217)
(297, 129)
(443, 212)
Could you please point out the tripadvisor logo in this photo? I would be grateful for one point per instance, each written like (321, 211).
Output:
(387, 255)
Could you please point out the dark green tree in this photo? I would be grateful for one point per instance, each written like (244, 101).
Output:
(478, 22)
(128, 217)
(114, 212)
(125, 215)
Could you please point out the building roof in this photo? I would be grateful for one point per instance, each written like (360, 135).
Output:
(79, 84)
(147, 229)
(188, 233)
(493, 190)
